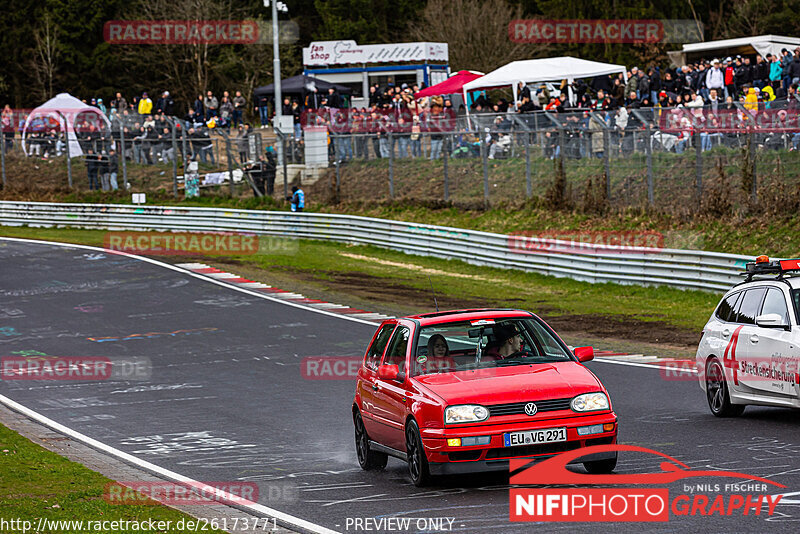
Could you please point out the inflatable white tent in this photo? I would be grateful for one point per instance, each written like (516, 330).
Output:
(66, 107)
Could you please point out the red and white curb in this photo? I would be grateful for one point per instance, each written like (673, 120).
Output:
(296, 298)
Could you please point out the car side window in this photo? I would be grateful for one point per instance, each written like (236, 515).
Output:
(375, 351)
(775, 303)
(750, 305)
(396, 355)
(727, 307)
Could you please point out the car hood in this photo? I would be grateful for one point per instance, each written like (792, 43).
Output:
(500, 385)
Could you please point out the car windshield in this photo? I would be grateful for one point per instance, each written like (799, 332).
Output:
(479, 344)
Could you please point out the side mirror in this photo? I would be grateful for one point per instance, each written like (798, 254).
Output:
(390, 372)
(584, 354)
(771, 320)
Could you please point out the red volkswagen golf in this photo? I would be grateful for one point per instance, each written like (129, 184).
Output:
(465, 391)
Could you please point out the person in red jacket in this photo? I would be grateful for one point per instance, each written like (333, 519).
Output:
(730, 88)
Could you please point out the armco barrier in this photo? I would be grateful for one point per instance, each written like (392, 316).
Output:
(688, 269)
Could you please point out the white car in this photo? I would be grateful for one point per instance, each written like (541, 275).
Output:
(750, 350)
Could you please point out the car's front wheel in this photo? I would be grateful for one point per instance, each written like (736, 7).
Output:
(601, 467)
(417, 461)
(719, 400)
(367, 458)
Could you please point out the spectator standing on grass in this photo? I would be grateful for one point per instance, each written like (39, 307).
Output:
(92, 169)
(113, 164)
(298, 199)
(211, 104)
(239, 105)
(102, 170)
(226, 111)
(7, 123)
(145, 105)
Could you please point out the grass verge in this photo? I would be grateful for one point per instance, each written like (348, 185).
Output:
(397, 282)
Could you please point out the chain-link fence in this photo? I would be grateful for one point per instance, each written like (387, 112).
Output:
(713, 159)
(143, 152)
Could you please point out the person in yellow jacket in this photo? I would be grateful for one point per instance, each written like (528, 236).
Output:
(145, 105)
(751, 100)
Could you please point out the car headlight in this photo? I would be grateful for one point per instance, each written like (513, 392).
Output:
(590, 402)
(465, 413)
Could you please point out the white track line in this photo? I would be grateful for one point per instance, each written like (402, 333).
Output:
(285, 519)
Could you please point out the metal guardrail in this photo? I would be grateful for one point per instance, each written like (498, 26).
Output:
(686, 269)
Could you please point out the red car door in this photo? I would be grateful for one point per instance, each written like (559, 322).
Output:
(367, 381)
(390, 397)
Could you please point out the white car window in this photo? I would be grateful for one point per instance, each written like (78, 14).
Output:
(727, 307)
(750, 305)
(776, 303)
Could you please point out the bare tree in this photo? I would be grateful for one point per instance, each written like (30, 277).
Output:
(44, 62)
(476, 32)
(189, 70)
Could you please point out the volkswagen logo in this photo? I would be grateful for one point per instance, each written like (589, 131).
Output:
(531, 409)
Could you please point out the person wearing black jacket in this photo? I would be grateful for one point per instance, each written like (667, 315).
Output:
(112, 169)
(761, 72)
(91, 169)
(334, 100)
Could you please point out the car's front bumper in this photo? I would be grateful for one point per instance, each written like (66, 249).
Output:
(446, 459)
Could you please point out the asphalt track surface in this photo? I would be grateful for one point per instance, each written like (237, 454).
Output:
(226, 400)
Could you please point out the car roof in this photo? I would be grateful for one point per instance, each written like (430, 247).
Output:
(794, 283)
(450, 316)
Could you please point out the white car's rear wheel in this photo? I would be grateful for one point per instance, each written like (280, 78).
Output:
(719, 401)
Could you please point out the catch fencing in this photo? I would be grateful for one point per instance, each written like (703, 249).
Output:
(686, 269)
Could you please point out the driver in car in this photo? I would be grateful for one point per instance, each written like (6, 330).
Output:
(508, 341)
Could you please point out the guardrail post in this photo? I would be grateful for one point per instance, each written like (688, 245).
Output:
(698, 165)
(447, 144)
(3, 155)
(175, 161)
(391, 166)
(607, 158)
(753, 154)
(528, 184)
(648, 150)
(66, 144)
(485, 156)
(122, 153)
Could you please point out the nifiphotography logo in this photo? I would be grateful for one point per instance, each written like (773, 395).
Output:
(631, 504)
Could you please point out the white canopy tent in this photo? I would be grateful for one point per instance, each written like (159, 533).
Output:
(65, 106)
(550, 69)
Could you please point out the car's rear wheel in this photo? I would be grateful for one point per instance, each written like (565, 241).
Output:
(367, 458)
(719, 400)
(601, 467)
(417, 461)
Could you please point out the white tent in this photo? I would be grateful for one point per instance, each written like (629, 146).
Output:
(65, 106)
(543, 70)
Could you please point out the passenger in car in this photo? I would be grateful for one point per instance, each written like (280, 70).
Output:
(438, 356)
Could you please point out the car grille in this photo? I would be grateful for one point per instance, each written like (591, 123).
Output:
(516, 408)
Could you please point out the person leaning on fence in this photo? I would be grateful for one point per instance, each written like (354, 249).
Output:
(298, 199)
(242, 144)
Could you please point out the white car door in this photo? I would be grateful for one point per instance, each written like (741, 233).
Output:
(739, 355)
(773, 351)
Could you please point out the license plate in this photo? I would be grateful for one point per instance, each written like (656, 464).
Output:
(534, 437)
